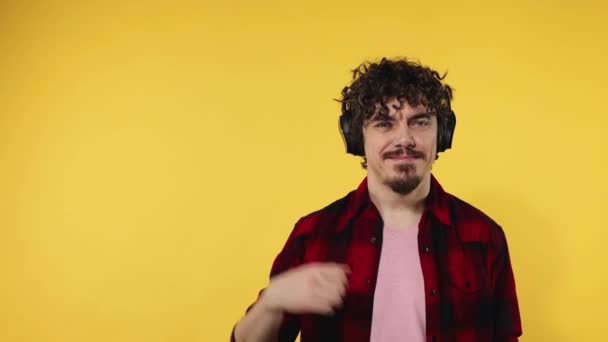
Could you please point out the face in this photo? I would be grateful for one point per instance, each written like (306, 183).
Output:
(400, 147)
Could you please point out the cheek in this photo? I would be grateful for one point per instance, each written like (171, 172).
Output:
(370, 144)
(370, 151)
(433, 146)
(429, 143)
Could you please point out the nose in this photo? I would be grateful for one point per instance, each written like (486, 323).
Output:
(405, 138)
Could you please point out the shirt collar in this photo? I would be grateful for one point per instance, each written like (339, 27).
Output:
(436, 203)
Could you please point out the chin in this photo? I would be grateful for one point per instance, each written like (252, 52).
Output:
(404, 185)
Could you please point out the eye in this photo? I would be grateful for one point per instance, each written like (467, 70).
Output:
(384, 124)
(421, 123)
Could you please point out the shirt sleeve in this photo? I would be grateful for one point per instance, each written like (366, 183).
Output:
(290, 256)
(508, 323)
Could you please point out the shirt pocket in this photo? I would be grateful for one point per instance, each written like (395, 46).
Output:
(466, 268)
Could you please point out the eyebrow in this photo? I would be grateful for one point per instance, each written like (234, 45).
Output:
(378, 117)
(385, 117)
(424, 115)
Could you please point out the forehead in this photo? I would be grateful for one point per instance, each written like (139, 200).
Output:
(398, 108)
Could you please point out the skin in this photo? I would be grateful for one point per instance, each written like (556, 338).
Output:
(400, 149)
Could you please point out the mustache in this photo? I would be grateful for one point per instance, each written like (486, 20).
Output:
(404, 152)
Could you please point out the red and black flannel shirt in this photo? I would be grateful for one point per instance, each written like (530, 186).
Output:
(468, 280)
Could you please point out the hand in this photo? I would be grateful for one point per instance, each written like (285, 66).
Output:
(315, 288)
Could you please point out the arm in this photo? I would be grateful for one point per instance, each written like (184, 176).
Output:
(294, 289)
(508, 323)
(262, 322)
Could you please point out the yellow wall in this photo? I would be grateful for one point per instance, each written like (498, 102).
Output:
(154, 157)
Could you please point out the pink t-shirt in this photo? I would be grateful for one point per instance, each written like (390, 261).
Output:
(399, 301)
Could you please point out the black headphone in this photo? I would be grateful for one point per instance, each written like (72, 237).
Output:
(446, 127)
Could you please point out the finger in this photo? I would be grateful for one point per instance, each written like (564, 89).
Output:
(334, 295)
(339, 284)
(336, 267)
(319, 305)
(334, 272)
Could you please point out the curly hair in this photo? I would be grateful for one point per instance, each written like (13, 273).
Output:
(377, 83)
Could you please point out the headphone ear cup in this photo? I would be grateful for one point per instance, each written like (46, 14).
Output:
(345, 130)
(446, 132)
(350, 141)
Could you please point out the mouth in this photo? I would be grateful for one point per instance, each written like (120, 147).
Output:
(402, 158)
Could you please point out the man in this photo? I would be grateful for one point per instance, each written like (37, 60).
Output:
(398, 259)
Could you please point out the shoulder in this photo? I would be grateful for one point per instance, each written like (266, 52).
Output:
(326, 219)
(308, 230)
(475, 225)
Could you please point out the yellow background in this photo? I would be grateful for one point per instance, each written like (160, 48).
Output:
(155, 156)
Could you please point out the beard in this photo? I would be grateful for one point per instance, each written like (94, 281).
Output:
(406, 181)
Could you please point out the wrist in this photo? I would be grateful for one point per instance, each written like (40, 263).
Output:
(267, 304)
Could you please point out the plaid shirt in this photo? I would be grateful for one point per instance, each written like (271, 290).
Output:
(468, 280)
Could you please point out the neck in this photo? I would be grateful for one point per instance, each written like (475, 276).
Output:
(397, 210)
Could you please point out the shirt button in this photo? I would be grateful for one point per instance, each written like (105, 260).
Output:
(368, 282)
(427, 249)
(433, 291)
(373, 239)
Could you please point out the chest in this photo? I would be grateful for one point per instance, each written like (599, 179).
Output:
(454, 273)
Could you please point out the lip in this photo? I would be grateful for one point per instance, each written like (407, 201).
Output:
(402, 158)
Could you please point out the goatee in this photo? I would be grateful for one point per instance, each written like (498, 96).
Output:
(405, 184)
